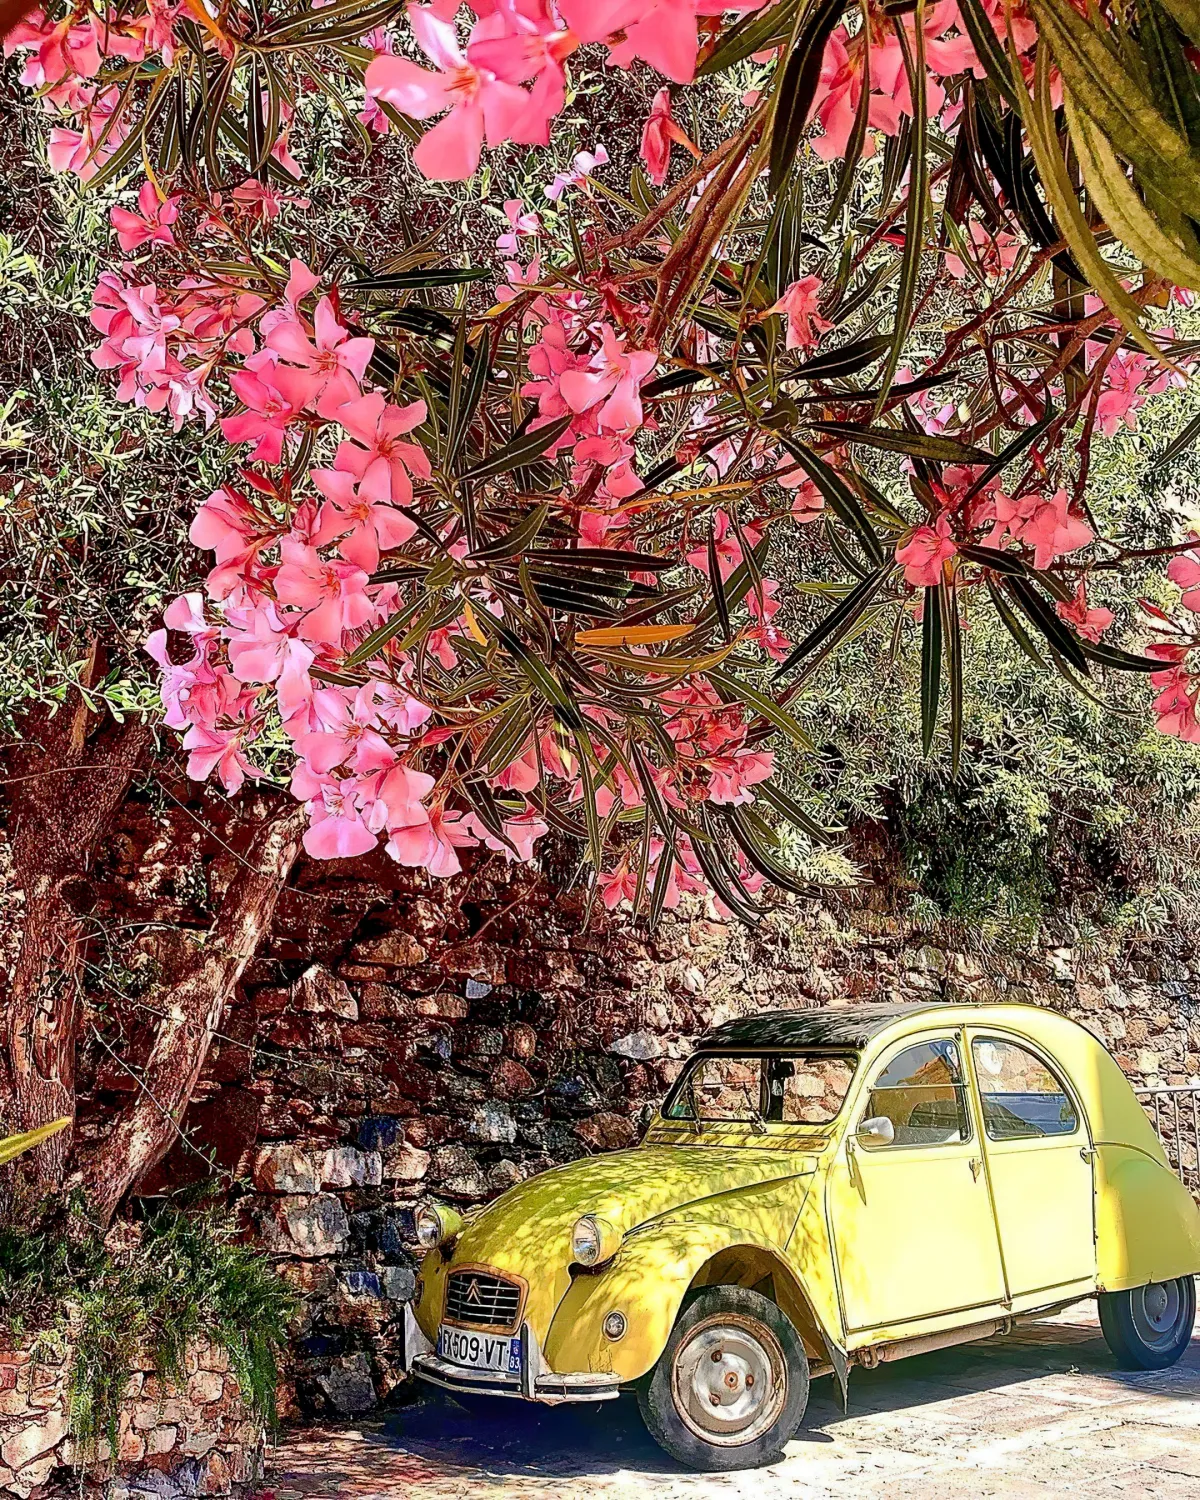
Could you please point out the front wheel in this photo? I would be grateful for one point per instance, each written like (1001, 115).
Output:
(731, 1385)
(1149, 1327)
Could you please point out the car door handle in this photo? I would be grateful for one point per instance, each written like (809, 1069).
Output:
(976, 1167)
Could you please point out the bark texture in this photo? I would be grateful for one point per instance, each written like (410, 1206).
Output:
(64, 786)
(193, 1001)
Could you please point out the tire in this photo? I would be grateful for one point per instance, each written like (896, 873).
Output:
(731, 1386)
(1149, 1327)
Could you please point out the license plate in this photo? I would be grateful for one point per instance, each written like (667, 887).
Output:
(480, 1351)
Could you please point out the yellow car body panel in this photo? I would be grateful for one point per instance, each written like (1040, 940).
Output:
(859, 1249)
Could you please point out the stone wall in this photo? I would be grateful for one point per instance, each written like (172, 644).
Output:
(194, 1438)
(400, 1037)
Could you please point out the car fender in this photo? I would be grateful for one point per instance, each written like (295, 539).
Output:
(647, 1282)
(1147, 1226)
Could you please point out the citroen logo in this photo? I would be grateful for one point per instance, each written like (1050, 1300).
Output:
(474, 1295)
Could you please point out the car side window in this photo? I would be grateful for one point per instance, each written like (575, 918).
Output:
(923, 1093)
(1022, 1098)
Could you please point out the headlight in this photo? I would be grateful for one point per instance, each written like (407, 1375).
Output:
(435, 1224)
(593, 1241)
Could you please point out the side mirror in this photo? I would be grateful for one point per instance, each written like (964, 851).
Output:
(877, 1131)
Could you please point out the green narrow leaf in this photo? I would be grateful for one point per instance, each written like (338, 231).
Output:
(952, 633)
(563, 705)
(1042, 617)
(988, 50)
(931, 665)
(522, 449)
(918, 191)
(789, 808)
(838, 622)
(522, 536)
(850, 359)
(403, 281)
(754, 33)
(935, 447)
(797, 87)
(717, 583)
(762, 703)
(837, 494)
(379, 637)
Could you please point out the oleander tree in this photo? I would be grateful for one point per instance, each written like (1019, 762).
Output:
(503, 547)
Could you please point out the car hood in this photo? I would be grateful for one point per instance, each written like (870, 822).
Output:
(628, 1188)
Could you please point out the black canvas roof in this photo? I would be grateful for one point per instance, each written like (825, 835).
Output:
(822, 1026)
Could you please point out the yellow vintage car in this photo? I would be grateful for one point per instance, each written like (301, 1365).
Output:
(821, 1189)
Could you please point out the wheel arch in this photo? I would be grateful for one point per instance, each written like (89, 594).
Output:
(650, 1280)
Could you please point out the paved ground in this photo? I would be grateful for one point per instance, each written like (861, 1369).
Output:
(1042, 1413)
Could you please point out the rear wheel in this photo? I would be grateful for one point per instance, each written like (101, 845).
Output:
(731, 1385)
(1149, 1327)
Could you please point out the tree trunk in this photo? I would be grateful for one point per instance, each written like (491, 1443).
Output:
(64, 789)
(194, 1002)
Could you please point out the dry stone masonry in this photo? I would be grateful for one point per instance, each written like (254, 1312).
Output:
(175, 1441)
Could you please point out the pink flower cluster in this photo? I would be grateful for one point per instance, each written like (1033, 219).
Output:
(1047, 525)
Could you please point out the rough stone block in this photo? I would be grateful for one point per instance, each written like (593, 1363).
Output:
(349, 1387)
(205, 1386)
(315, 1225)
(405, 1162)
(323, 993)
(394, 950)
(344, 1166)
(493, 1122)
(286, 1169)
(638, 1046)
(399, 1283)
(34, 1439)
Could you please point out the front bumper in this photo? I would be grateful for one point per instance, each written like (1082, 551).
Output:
(535, 1382)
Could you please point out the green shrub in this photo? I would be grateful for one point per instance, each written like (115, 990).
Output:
(186, 1276)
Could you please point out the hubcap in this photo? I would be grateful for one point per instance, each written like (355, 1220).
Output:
(729, 1381)
(1157, 1310)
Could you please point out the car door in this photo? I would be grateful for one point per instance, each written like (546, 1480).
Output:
(1039, 1160)
(911, 1220)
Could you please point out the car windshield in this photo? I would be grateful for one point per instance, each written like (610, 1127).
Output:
(805, 1088)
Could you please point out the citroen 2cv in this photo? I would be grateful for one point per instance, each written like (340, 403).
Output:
(820, 1189)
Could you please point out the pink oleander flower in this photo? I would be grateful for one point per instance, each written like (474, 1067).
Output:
(519, 223)
(582, 167)
(337, 828)
(804, 323)
(842, 70)
(924, 554)
(1184, 571)
(151, 225)
(376, 455)
(363, 520)
(614, 377)
(349, 733)
(1045, 525)
(731, 776)
(481, 105)
(1178, 692)
(219, 750)
(333, 363)
(658, 135)
(267, 417)
(662, 33)
(331, 592)
(1089, 623)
